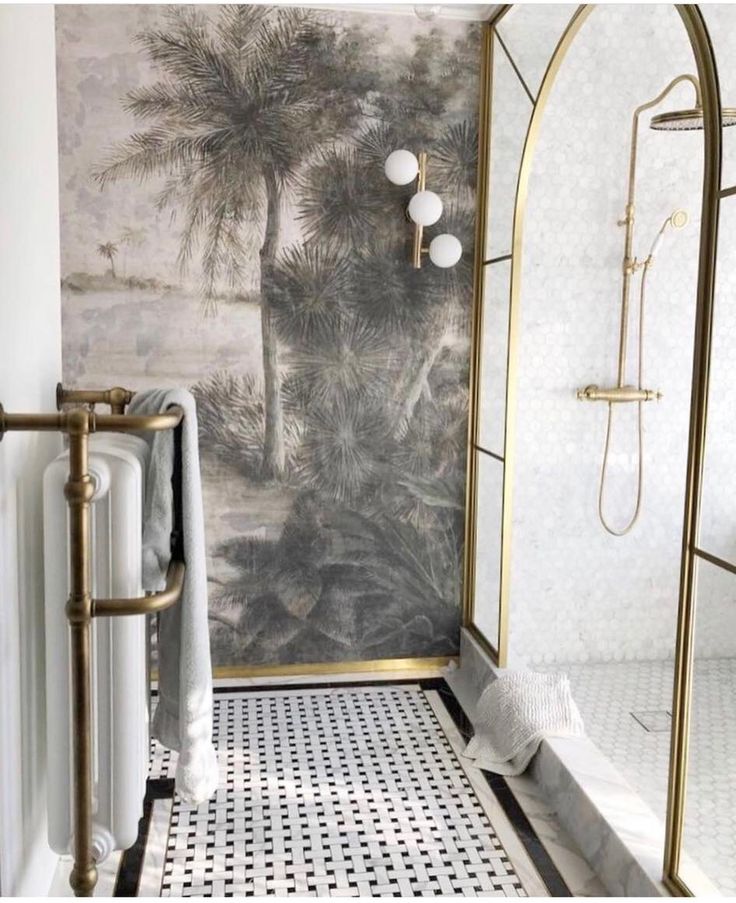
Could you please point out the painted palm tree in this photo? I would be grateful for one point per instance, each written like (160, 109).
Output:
(108, 250)
(131, 237)
(245, 98)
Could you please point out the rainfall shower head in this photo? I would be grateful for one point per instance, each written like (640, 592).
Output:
(688, 120)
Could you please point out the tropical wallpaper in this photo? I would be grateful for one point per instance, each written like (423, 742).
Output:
(227, 226)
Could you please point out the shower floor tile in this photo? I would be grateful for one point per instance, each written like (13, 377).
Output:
(352, 791)
(616, 698)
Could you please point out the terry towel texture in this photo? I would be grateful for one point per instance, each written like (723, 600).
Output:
(515, 713)
(183, 717)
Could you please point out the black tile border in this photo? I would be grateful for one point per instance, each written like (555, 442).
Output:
(131, 862)
(548, 871)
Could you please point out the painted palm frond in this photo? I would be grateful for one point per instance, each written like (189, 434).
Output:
(376, 142)
(341, 199)
(416, 566)
(389, 294)
(230, 413)
(344, 362)
(343, 446)
(232, 98)
(455, 160)
(309, 287)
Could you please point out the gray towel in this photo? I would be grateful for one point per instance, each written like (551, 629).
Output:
(183, 718)
(515, 712)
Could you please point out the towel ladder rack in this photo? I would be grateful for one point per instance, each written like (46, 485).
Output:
(78, 424)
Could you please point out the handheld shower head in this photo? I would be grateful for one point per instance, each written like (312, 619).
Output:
(677, 220)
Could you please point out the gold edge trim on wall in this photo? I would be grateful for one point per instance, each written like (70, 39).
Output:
(321, 668)
(682, 689)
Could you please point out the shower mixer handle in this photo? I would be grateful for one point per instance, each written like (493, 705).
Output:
(618, 394)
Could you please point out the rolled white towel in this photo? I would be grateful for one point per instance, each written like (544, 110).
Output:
(515, 713)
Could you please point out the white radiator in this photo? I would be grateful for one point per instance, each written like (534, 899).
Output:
(120, 728)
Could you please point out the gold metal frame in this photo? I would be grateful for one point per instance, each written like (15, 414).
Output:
(369, 666)
(81, 608)
(682, 691)
(712, 194)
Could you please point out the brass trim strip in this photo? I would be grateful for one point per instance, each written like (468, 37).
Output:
(682, 690)
(320, 668)
(714, 559)
(515, 68)
(489, 453)
(728, 192)
(477, 320)
(500, 259)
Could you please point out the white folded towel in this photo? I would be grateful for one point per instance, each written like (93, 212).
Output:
(515, 713)
(183, 717)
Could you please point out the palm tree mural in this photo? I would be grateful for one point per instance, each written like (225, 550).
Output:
(242, 103)
(267, 123)
(108, 250)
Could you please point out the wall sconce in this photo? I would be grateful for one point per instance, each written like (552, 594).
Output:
(424, 209)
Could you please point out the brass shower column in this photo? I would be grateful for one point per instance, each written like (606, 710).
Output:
(81, 607)
(631, 264)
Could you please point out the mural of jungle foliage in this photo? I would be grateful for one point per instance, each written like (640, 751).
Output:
(334, 459)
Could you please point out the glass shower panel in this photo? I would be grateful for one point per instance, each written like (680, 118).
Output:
(718, 504)
(487, 594)
(531, 33)
(510, 112)
(720, 19)
(709, 830)
(494, 351)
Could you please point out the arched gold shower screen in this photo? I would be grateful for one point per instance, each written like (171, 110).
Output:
(496, 641)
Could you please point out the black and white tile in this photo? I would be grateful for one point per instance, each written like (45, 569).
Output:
(349, 791)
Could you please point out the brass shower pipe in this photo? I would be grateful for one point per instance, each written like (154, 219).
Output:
(621, 392)
(631, 264)
(79, 489)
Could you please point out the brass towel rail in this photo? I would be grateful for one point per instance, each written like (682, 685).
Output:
(78, 424)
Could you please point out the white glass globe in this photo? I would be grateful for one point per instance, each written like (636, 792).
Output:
(445, 250)
(401, 167)
(425, 208)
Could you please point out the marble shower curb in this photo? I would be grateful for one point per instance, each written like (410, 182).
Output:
(617, 832)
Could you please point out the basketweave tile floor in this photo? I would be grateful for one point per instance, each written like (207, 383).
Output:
(350, 791)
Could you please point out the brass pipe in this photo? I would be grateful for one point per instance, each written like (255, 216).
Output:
(34, 422)
(618, 394)
(629, 265)
(117, 397)
(145, 605)
(136, 423)
(97, 423)
(80, 607)
(78, 491)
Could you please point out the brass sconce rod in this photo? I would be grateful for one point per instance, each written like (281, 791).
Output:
(81, 607)
(417, 250)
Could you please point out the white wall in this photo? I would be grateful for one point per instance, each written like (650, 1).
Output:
(30, 365)
(577, 593)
